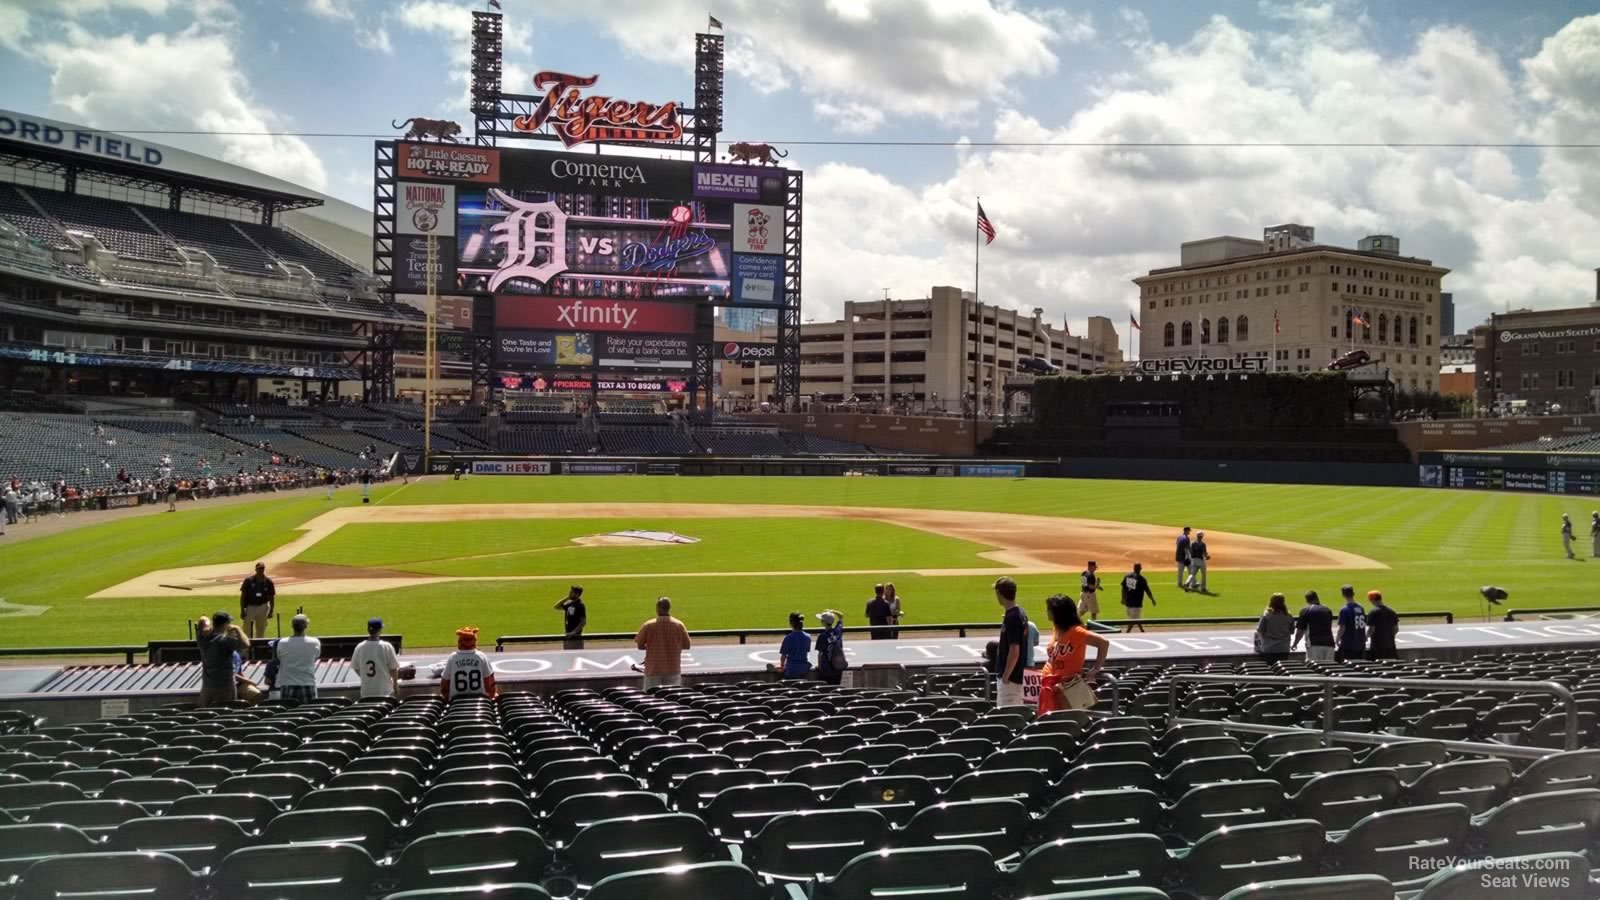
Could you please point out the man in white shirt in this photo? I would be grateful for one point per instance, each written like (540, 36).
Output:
(297, 663)
(467, 671)
(375, 662)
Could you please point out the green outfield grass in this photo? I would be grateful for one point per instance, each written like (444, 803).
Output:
(1440, 546)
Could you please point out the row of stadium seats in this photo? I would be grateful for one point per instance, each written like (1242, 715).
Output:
(792, 781)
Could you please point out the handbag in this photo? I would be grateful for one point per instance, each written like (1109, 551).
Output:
(1075, 694)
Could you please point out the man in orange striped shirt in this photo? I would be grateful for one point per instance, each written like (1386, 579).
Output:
(663, 640)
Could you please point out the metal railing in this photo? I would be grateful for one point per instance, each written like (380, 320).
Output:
(1476, 748)
(1328, 683)
(1511, 614)
(126, 652)
(961, 628)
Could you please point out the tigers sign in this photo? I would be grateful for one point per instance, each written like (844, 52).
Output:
(577, 119)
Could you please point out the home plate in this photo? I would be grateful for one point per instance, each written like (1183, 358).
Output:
(635, 538)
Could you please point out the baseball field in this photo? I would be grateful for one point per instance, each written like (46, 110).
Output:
(497, 552)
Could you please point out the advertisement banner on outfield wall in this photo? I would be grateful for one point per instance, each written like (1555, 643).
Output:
(510, 467)
(599, 468)
(923, 470)
(994, 470)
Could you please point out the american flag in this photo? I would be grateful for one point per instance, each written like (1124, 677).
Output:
(1276, 327)
(1357, 319)
(985, 226)
(1134, 322)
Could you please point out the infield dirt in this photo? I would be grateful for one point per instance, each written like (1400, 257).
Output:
(1025, 545)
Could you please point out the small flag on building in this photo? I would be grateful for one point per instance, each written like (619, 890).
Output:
(494, 4)
(714, 22)
(1066, 325)
(985, 226)
(1356, 318)
(1133, 322)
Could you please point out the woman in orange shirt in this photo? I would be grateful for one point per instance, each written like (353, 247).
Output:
(1066, 650)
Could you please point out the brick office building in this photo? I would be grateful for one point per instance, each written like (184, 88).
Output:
(1538, 361)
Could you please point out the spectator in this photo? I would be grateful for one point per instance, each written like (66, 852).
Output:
(1382, 626)
(1315, 627)
(467, 672)
(297, 657)
(257, 597)
(895, 610)
(1274, 631)
(831, 661)
(217, 648)
(1013, 635)
(1134, 589)
(376, 664)
(245, 690)
(1594, 534)
(794, 655)
(574, 617)
(331, 480)
(13, 503)
(1352, 639)
(663, 640)
(879, 612)
(1064, 656)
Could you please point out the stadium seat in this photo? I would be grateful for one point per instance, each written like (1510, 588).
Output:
(798, 846)
(737, 813)
(720, 880)
(369, 829)
(697, 789)
(23, 845)
(896, 797)
(462, 858)
(611, 846)
(1114, 863)
(295, 872)
(954, 870)
(97, 818)
(1026, 785)
(199, 841)
(1560, 771)
(442, 818)
(496, 891)
(1111, 776)
(1204, 809)
(582, 810)
(1340, 799)
(1228, 858)
(1097, 813)
(825, 778)
(90, 781)
(1386, 843)
(1332, 887)
(252, 812)
(154, 794)
(1477, 784)
(23, 799)
(108, 875)
(1556, 821)
(998, 826)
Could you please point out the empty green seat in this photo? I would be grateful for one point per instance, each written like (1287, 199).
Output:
(1116, 862)
(1561, 876)
(611, 846)
(1388, 843)
(719, 880)
(1477, 784)
(1231, 857)
(367, 828)
(1208, 807)
(295, 872)
(1096, 813)
(1554, 821)
(1559, 771)
(1340, 799)
(799, 846)
(200, 841)
(23, 845)
(87, 875)
(1331, 887)
(997, 826)
(739, 812)
(460, 858)
(896, 797)
(910, 872)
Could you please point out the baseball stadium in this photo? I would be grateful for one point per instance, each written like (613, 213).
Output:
(464, 547)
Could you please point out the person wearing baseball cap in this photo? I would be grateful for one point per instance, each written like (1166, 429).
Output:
(217, 647)
(831, 661)
(377, 665)
(297, 657)
(467, 672)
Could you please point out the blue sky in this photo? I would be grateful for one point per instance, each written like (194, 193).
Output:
(1075, 224)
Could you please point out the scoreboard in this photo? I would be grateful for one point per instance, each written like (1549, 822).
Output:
(1535, 472)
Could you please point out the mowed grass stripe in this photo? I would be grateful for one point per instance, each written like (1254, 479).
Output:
(1440, 544)
(545, 547)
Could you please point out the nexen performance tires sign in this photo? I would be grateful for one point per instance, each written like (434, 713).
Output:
(510, 467)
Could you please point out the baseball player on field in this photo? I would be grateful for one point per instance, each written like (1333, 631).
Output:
(1089, 592)
(1183, 556)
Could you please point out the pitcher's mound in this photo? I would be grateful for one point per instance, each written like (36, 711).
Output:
(635, 539)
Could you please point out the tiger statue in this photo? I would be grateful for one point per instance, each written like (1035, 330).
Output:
(759, 153)
(438, 129)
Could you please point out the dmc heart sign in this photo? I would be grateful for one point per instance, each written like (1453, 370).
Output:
(639, 316)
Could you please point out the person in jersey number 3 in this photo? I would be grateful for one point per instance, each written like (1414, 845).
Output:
(377, 667)
(467, 671)
(1064, 656)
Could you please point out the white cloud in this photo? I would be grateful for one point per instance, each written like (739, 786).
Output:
(935, 59)
(187, 80)
(1077, 223)
(453, 22)
(330, 9)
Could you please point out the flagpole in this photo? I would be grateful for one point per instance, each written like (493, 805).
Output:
(977, 316)
(1274, 340)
